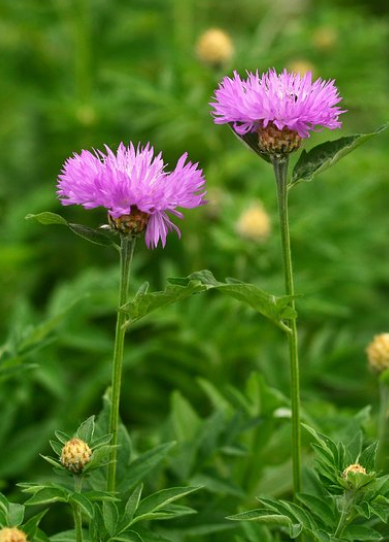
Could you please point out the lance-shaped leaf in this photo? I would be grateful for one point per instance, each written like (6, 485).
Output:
(272, 520)
(98, 237)
(153, 506)
(274, 308)
(326, 155)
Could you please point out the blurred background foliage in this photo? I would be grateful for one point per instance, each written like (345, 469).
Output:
(80, 74)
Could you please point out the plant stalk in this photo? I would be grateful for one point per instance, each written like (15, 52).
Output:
(280, 166)
(77, 511)
(382, 449)
(126, 254)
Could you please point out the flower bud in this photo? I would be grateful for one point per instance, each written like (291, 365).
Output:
(254, 223)
(131, 225)
(325, 38)
(378, 353)
(272, 140)
(214, 47)
(354, 468)
(12, 534)
(75, 455)
(301, 66)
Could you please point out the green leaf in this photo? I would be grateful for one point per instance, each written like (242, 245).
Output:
(128, 536)
(98, 237)
(274, 308)
(144, 303)
(276, 520)
(132, 504)
(161, 499)
(143, 465)
(327, 154)
(48, 495)
(48, 218)
(15, 514)
(31, 526)
(86, 430)
(62, 437)
(319, 507)
(367, 457)
(84, 503)
(110, 517)
(360, 533)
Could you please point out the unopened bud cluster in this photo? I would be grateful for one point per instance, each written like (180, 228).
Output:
(75, 455)
(12, 534)
(254, 223)
(214, 47)
(378, 353)
(354, 468)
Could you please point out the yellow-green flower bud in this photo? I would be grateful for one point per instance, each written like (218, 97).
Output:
(214, 47)
(378, 353)
(254, 223)
(12, 534)
(354, 468)
(75, 455)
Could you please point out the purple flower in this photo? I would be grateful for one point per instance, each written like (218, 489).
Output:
(287, 100)
(134, 186)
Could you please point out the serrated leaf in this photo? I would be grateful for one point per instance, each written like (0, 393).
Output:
(276, 309)
(98, 237)
(84, 503)
(144, 303)
(327, 154)
(160, 499)
(143, 465)
(263, 516)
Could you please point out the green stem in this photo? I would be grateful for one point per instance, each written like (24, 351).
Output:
(344, 520)
(280, 166)
(126, 253)
(382, 427)
(77, 511)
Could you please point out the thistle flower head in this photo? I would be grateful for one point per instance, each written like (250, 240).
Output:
(132, 183)
(12, 534)
(288, 102)
(378, 353)
(75, 455)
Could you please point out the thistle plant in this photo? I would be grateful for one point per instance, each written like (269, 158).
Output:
(276, 113)
(137, 192)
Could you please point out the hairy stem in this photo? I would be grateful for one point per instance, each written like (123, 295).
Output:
(126, 254)
(280, 166)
